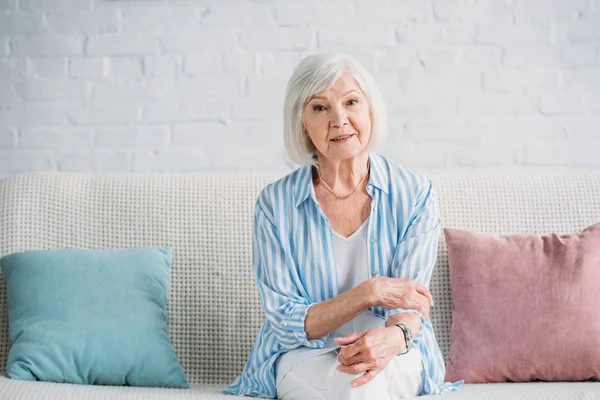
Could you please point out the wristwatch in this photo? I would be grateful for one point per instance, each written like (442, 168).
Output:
(407, 336)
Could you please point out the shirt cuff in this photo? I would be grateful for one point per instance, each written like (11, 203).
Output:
(296, 325)
(394, 311)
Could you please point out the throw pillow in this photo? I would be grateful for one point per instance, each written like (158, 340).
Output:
(91, 317)
(524, 306)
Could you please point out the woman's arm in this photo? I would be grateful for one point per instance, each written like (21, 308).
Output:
(284, 303)
(413, 321)
(324, 317)
(328, 315)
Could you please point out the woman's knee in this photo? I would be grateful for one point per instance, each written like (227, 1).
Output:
(307, 380)
(404, 375)
(296, 387)
(410, 363)
(340, 386)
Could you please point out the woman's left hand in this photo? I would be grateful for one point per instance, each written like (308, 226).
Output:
(369, 351)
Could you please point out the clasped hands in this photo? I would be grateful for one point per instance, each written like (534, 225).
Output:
(370, 350)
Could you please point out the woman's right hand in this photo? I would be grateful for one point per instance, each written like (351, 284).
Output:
(401, 293)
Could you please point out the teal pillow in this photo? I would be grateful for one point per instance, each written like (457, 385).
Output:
(91, 317)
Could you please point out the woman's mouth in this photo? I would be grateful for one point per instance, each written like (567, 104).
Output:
(342, 139)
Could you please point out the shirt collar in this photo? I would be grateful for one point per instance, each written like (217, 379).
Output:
(304, 187)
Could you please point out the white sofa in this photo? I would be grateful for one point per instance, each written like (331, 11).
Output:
(207, 219)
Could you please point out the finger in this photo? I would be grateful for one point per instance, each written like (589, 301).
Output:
(355, 359)
(365, 378)
(423, 307)
(354, 368)
(425, 292)
(349, 360)
(353, 349)
(349, 339)
(342, 360)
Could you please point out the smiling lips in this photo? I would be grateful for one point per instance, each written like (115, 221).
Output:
(342, 138)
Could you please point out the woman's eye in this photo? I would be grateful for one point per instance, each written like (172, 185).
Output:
(350, 102)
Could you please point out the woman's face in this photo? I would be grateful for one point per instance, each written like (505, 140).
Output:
(342, 112)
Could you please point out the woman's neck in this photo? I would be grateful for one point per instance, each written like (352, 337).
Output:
(343, 175)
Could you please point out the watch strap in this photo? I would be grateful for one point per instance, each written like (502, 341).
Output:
(407, 336)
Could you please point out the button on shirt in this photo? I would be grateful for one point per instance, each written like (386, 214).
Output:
(294, 264)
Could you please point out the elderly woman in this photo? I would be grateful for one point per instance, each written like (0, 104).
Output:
(343, 251)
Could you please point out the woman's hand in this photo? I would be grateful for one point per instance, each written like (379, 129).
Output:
(369, 351)
(401, 293)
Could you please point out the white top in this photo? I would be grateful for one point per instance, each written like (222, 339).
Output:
(352, 267)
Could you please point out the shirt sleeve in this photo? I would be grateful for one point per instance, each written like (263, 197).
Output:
(416, 252)
(284, 305)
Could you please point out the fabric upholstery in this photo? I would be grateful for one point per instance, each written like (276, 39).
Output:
(524, 306)
(23, 390)
(91, 317)
(214, 309)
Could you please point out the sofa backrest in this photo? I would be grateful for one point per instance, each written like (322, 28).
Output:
(214, 309)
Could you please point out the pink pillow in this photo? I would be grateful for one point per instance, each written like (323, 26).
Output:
(525, 307)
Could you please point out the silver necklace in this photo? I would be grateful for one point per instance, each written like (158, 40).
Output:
(348, 195)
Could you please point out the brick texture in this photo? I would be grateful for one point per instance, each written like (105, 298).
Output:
(98, 86)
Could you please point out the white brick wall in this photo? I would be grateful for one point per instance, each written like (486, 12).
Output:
(175, 85)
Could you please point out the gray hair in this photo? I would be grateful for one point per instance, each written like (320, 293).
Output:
(315, 73)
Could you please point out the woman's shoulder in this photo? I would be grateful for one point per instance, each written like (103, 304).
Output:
(401, 177)
(284, 190)
(408, 186)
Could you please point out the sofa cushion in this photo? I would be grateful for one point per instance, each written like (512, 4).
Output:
(524, 306)
(22, 390)
(11, 389)
(91, 317)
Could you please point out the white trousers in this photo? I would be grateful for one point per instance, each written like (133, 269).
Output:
(318, 379)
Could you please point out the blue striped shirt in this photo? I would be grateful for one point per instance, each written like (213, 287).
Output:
(294, 264)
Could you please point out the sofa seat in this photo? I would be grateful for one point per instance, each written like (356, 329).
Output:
(11, 389)
(525, 391)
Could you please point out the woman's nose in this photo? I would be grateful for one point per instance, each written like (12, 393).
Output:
(339, 117)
